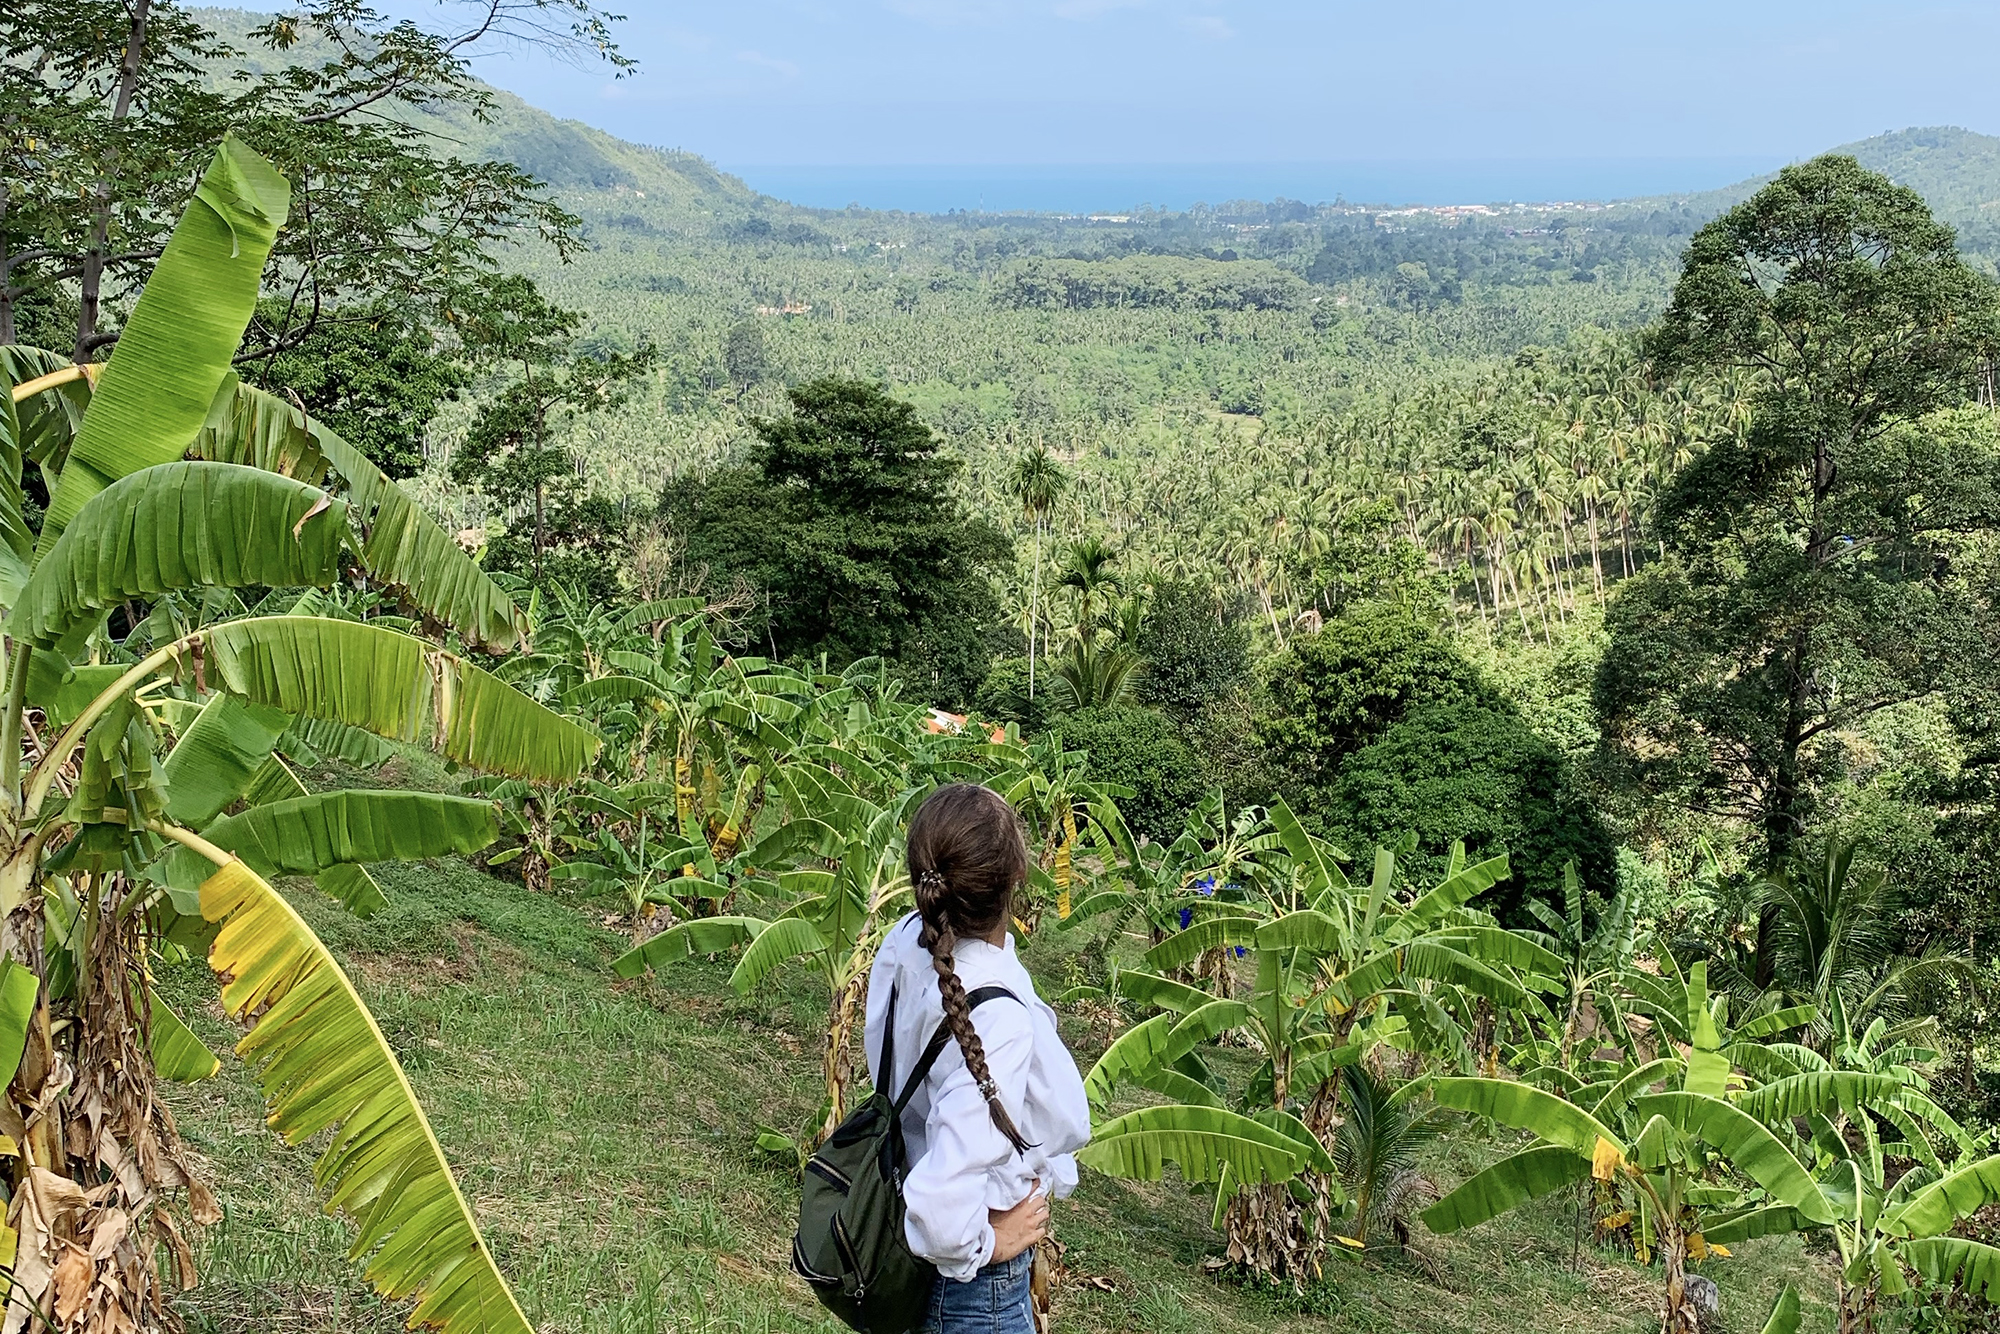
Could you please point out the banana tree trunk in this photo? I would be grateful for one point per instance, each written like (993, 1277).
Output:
(1274, 1236)
(1680, 1316)
(1857, 1308)
(837, 1062)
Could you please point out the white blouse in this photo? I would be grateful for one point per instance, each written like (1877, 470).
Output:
(961, 1165)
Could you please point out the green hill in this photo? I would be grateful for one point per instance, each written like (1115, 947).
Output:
(1957, 171)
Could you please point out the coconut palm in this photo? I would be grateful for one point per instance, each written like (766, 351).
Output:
(1036, 482)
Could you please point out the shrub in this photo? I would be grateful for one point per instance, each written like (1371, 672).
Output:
(1143, 750)
(1470, 770)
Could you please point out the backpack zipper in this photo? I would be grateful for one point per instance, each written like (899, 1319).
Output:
(829, 1173)
(845, 1246)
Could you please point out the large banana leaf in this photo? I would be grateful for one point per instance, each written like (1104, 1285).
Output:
(1613, 1099)
(318, 737)
(784, 939)
(218, 756)
(16, 543)
(1458, 889)
(326, 1069)
(180, 525)
(1201, 1140)
(703, 935)
(259, 430)
(47, 418)
(19, 989)
(1958, 1194)
(1526, 1108)
(1784, 1313)
(1167, 994)
(1943, 1261)
(1185, 947)
(1158, 1043)
(407, 550)
(174, 351)
(310, 834)
(395, 686)
(1823, 1092)
(1755, 1151)
(1308, 930)
(1507, 1184)
(1770, 1220)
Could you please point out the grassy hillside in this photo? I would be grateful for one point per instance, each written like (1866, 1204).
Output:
(605, 1133)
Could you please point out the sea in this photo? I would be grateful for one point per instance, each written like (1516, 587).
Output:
(1116, 188)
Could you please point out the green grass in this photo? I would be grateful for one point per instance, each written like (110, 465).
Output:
(604, 1132)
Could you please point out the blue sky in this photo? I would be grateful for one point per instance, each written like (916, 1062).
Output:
(751, 82)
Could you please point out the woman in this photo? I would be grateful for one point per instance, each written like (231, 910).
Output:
(993, 1130)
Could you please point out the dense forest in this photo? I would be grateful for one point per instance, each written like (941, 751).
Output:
(1500, 697)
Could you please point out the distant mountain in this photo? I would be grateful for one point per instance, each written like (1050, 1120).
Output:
(567, 154)
(1957, 172)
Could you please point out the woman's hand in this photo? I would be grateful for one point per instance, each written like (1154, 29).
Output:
(1016, 1229)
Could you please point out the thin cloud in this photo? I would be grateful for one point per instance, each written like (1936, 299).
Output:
(758, 58)
(1208, 25)
(1090, 9)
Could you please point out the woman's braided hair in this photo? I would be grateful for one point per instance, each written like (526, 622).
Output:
(967, 856)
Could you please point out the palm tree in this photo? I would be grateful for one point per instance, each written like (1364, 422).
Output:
(1037, 482)
(1087, 569)
(1834, 944)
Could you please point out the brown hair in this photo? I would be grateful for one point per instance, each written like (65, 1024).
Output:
(967, 856)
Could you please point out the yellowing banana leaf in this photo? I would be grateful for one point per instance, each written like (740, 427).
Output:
(172, 354)
(326, 1069)
(1507, 1184)
(180, 525)
(218, 757)
(395, 686)
(1201, 1140)
(177, 1053)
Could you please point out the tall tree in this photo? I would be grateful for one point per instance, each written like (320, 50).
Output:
(517, 452)
(1817, 566)
(844, 516)
(1036, 482)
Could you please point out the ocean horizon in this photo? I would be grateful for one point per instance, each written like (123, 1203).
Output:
(1125, 187)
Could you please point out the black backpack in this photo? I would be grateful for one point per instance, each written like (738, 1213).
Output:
(850, 1246)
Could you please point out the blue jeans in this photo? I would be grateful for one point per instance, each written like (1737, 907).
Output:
(996, 1300)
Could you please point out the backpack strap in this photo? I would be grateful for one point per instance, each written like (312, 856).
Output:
(938, 1040)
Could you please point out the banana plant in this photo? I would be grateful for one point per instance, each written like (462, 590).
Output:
(1595, 955)
(1655, 1153)
(169, 480)
(1351, 968)
(836, 915)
